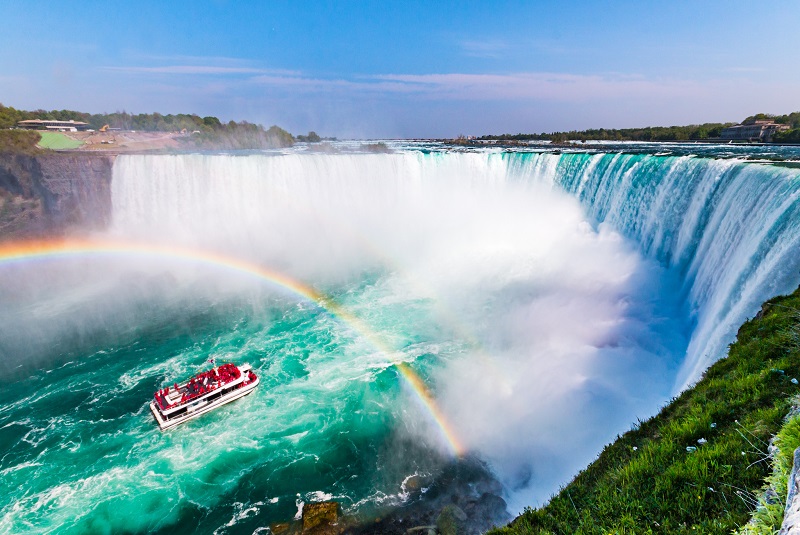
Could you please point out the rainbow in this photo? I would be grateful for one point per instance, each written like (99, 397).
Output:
(25, 251)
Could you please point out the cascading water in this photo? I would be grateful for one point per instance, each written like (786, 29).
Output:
(511, 283)
(730, 228)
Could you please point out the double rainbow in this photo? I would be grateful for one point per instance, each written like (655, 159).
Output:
(25, 251)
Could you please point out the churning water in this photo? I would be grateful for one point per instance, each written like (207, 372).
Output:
(547, 301)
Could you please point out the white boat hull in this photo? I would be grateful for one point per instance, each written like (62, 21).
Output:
(202, 407)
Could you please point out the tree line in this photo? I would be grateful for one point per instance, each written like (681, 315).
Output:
(658, 133)
(209, 132)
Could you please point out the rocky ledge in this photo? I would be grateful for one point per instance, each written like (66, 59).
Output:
(50, 194)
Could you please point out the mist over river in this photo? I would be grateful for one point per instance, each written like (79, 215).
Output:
(548, 301)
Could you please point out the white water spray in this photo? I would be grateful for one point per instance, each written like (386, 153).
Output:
(552, 332)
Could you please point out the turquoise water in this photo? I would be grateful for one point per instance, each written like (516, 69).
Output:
(546, 300)
(83, 453)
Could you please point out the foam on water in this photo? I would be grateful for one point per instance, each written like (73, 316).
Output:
(548, 300)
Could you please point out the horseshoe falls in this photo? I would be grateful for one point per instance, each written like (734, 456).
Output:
(545, 301)
(728, 228)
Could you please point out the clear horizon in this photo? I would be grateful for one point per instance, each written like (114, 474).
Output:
(405, 70)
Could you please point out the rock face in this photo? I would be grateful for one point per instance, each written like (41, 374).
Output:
(52, 194)
(464, 499)
(320, 518)
(791, 515)
(451, 521)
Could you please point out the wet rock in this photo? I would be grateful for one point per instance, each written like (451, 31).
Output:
(771, 497)
(451, 521)
(283, 528)
(413, 484)
(464, 492)
(422, 530)
(321, 518)
(486, 506)
(791, 515)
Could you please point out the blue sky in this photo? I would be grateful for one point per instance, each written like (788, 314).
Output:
(410, 69)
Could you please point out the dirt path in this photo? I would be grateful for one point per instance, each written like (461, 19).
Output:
(127, 141)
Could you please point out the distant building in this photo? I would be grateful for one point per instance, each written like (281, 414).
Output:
(756, 131)
(59, 126)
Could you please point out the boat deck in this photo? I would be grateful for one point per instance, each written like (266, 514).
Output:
(205, 391)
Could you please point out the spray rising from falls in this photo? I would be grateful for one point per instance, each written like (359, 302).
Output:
(31, 251)
(729, 227)
(523, 307)
(476, 233)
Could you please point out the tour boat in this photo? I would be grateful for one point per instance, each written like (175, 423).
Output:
(202, 393)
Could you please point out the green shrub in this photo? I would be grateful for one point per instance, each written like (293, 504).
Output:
(23, 141)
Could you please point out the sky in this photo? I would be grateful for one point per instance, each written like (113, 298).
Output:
(411, 69)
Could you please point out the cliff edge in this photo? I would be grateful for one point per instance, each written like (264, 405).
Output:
(51, 194)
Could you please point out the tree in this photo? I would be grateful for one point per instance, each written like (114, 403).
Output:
(758, 117)
(789, 136)
(212, 122)
(279, 136)
(9, 117)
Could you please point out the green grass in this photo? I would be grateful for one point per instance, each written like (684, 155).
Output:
(58, 141)
(647, 481)
(768, 514)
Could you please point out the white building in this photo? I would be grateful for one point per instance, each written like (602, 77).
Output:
(59, 126)
(757, 131)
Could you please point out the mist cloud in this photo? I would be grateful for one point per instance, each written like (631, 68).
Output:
(560, 335)
(540, 336)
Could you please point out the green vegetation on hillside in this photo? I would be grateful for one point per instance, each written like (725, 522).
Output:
(768, 516)
(207, 132)
(650, 133)
(658, 133)
(19, 141)
(57, 141)
(792, 119)
(379, 147)
(699, 465)
(790, 136)
(312, 137)
(241, 136)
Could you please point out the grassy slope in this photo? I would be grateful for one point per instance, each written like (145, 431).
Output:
(57, 141)
(647, 481)
(768, 516)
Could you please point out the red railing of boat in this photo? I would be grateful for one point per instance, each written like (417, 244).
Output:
(203, 383)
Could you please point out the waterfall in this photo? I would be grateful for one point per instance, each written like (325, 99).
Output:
(730, 228)
(561, 296)
(546, 301)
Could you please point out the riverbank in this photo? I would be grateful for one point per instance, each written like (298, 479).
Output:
(699, 465)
